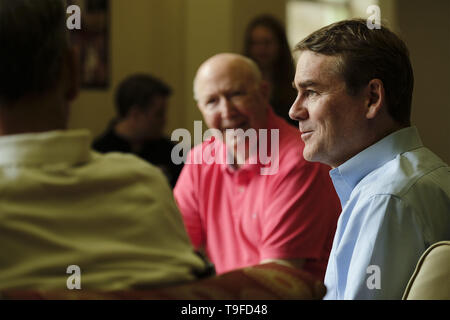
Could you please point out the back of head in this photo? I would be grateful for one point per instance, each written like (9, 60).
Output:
(33, 38)
(367, 54)
(138, 91)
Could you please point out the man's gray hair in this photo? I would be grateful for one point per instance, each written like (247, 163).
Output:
(33, 39)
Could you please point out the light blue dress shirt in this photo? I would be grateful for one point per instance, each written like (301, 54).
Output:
(395, 197)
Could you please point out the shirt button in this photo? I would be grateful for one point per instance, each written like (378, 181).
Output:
(241, 189)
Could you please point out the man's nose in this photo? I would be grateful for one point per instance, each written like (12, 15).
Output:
(228, 110)
(298, 111)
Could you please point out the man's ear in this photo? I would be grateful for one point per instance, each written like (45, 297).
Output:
(375, 98)
(72, 75)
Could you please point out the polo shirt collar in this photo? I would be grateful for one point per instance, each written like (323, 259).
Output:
(350, 173)
(70, 147)
(251, 165)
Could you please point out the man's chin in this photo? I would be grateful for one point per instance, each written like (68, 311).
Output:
(309, 155)
(314, 156)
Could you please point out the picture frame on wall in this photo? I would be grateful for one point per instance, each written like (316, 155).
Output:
(92, 43)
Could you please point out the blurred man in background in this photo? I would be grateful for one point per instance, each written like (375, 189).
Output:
(141, 104)
(234, 211)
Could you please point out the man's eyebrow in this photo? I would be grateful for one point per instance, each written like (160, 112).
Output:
(305, 84)
(293, 85)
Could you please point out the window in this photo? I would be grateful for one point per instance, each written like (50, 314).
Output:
(306, 16)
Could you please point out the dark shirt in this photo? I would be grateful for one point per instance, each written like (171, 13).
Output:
(156, 152)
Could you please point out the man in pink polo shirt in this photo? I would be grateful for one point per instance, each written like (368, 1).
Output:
(237, 212)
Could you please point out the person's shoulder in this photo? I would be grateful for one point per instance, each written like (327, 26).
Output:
(105, 142)
(124, 165)
(416, 169)
(120, 159)
(425, 180)
(416, 181)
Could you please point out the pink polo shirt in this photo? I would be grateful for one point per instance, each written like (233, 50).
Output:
(242, 217)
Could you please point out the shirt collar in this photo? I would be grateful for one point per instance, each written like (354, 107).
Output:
(71, 146)
(350, 173)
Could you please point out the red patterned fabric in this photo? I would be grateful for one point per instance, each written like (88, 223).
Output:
(261, 282)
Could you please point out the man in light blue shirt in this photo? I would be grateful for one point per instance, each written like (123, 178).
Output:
(353, 106)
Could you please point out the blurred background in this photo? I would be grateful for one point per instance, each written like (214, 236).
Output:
(171, 38)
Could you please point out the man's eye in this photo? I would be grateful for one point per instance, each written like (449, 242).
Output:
(211, 102)
(237, 93)
(310, 93)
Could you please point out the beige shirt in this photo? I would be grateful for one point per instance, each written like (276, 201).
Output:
(111, 215)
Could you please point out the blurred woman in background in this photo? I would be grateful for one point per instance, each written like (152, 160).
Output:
(266, 43)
